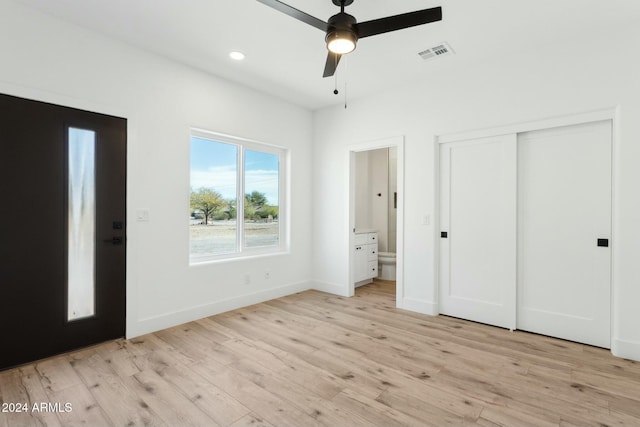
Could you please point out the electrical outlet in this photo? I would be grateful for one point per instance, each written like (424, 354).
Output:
(247, 278)
(267, 275)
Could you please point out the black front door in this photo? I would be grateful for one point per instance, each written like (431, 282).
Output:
(62, 229)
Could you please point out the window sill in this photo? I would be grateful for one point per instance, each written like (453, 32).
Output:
(217, 259)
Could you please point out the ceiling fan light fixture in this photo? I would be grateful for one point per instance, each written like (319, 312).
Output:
(341, 41)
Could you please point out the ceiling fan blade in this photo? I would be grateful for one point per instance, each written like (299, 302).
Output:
(295, 13)
(333, 59)
(399, 22)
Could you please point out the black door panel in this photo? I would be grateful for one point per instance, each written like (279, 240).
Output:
(34, 230)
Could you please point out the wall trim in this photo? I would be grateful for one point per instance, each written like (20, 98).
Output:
(625, 349)
(420, 306)
(330, 288)
(164, 321)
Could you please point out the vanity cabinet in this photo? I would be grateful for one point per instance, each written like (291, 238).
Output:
(365, 257)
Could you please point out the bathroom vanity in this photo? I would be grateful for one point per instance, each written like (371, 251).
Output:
(365, 257)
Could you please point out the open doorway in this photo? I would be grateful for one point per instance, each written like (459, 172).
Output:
(376, 215)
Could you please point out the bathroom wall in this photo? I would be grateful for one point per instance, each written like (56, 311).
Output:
(362, 206)
(392, 222)
(379, 194)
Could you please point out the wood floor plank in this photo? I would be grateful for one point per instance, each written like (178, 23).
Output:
(251, 327)
(326, 412)
(374, 411)
(218, 405)
(119, 401)
(264, 404)
(37, 395)
(16, 397)
(170, 405)
(290, 367)
(507, 417)
(428, 414)
(57, 374)
(188, 342)
(314, 359)
(617, 385)
(84, 410)
(251, 421)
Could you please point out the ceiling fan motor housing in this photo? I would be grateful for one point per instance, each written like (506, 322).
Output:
(342, 26)
(342, 2)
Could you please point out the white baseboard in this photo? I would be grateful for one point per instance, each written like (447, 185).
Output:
(330, 288)
(419, 306)
(156, 323)
(625, 349)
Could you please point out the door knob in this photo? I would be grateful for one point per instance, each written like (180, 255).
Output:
(114, 240)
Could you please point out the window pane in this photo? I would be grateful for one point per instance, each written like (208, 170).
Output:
(82, 224)
(261, 226)
(214, 174)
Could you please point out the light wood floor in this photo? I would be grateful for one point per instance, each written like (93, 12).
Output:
(315, 359)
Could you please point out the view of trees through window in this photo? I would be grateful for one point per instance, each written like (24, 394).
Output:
(222, 173)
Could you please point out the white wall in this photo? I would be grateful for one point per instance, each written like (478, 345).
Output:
(562, 79)
(362, 205)
(46, 59)
(379, 184)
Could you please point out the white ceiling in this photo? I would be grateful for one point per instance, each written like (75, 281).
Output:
(286, 57)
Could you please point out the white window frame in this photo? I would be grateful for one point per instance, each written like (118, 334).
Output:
(283, 176)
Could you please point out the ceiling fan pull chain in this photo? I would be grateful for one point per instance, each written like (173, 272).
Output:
(335, 90)
(344, 68)
(345, 95)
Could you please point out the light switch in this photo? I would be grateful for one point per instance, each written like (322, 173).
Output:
(142, 215)
(426, 220)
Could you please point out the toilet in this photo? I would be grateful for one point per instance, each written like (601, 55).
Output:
(387, 261)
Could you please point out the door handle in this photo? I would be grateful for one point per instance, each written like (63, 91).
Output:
(114, 240)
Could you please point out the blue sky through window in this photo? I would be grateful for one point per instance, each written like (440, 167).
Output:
(214, 165)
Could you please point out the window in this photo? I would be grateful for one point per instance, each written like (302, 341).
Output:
(81, 220)
(236, 201)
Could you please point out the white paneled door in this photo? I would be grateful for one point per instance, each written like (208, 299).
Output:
(564, 227)
(478, 223)
(526, 229)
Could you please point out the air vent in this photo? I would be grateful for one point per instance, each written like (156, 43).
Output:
(441, 49)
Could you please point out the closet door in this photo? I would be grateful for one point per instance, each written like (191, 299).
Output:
(478, 240)
(564, 223)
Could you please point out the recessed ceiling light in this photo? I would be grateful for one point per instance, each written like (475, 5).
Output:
(238, 56)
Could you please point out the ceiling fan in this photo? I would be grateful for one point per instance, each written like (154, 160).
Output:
(343, 31)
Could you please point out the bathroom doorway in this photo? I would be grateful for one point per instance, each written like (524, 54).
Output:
(376, 214)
